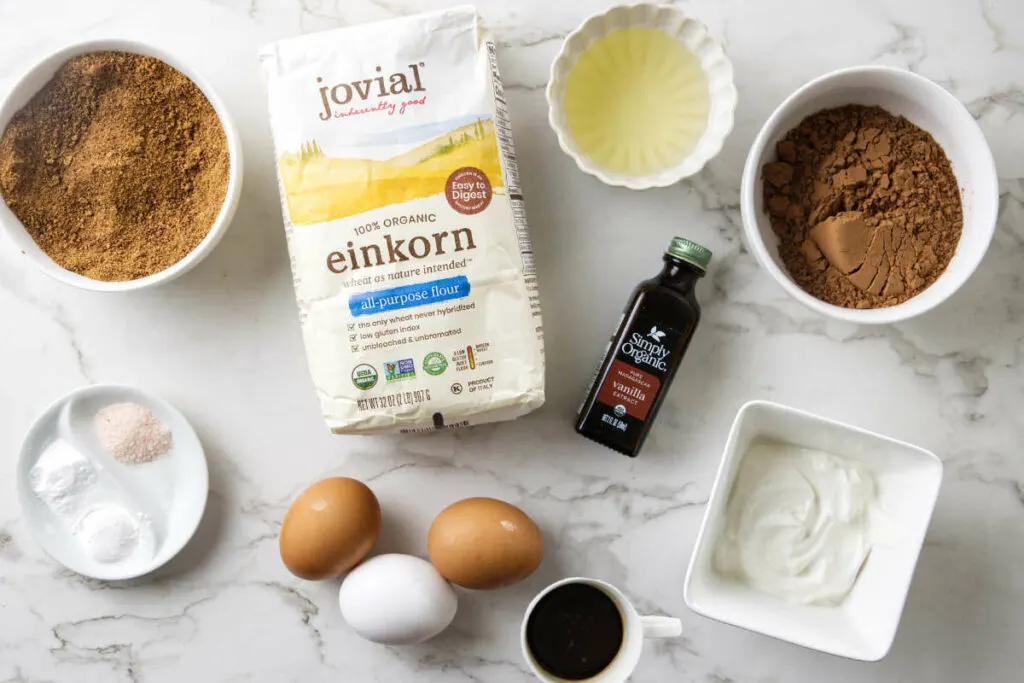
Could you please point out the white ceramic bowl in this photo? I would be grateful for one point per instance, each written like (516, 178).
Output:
(925, 104)
(864, 625)
(170, 492)
(29, 84)
(692, 33)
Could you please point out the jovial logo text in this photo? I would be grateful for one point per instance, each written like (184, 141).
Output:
(397, 84)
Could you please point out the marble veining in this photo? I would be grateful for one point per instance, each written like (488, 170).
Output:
(223, 344)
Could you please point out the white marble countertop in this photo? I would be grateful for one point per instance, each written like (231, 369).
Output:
(223, 344)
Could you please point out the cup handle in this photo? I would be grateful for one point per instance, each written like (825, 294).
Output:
(661, 627)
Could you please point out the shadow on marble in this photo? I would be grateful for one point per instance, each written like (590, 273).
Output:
(397, 534)
(251, 257)
(932, 617)
(210, 533)
(955, 598)
(201, 547)
(253, 250)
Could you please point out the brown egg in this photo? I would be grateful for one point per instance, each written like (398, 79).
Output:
(330, 528)
(484, 543)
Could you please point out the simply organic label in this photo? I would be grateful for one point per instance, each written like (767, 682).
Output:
(629, 390)
(405, 224)
(646, 350)
(639, 367)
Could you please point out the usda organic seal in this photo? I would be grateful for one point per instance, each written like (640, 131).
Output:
(364, 376)
(435, 363)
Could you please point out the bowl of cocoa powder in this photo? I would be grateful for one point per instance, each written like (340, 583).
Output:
(120, 167)
(870, 195)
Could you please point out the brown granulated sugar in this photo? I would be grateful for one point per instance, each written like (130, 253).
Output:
(866, 207)
(118, 167)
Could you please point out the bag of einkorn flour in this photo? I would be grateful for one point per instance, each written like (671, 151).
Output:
(412, 264)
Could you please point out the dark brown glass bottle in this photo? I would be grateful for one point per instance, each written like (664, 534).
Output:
(644, 353)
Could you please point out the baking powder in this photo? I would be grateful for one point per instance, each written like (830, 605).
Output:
(61, 476)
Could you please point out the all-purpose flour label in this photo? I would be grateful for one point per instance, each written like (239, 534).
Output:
(412, 264)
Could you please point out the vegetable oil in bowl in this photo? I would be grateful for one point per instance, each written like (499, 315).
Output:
(636, 102)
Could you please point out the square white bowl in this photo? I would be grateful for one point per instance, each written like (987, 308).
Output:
(862, 626)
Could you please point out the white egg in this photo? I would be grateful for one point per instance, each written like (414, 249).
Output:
(397, 600)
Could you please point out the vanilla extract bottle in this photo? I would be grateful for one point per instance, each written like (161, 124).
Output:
(644, 353)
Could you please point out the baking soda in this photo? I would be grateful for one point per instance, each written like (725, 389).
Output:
(108, 532)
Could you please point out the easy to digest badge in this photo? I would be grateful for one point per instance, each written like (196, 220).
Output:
(435, 363)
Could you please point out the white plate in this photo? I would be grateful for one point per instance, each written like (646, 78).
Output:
(170, 491)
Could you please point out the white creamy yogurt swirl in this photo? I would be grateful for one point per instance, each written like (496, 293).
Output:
(798, 523)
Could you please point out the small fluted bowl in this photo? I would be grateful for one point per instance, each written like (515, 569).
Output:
(694, 35)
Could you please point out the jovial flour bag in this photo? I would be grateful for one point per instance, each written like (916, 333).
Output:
(412, 263)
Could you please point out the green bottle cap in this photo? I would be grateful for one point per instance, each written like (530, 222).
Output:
(695, 254)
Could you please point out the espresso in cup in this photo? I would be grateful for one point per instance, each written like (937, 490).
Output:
(575, 631)
(581, 629)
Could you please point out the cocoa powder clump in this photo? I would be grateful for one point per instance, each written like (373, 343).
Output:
(865, 205)
(118, 167)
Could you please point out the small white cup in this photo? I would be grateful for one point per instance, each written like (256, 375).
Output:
(635, 629)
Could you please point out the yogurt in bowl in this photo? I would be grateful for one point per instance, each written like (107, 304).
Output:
(819, 588)
(800, 523)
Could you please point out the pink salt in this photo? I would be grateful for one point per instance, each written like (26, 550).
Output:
(131, 433)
